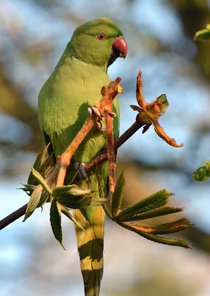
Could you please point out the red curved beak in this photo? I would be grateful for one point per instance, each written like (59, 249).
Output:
(121, 46)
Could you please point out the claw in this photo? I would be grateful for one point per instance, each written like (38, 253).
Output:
(80, 168)
(100, 126)
(90, 111)
(112, 114)
(94, 112)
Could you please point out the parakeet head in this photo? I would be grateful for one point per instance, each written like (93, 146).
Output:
(98, 42)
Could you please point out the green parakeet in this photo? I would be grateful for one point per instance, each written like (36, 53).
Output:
(64, 98)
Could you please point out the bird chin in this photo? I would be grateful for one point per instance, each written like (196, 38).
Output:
(114, 55)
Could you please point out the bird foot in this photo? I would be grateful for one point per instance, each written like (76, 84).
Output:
(95, 113)
(80, 168)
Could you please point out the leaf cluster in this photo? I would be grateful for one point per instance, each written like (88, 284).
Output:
(62, 198)
(67, 197)
(152, 206)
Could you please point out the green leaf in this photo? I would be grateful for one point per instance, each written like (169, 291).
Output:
(202, 174)
(166, 240)
(154, 201)
(28, 188)
(203, 34)
(44, 198)
(74, 202)
(172, 227)
(77, 191)
(165, 228)
(156, 238)
(55, 220)
(98, 201)
(107, 209)
(118, 194)
(70, 190)
(42, 164)
(71, 217)
(150, 214)
(37, 166)
(72, 196)
(33, 202)
(163, 103)
(41, 180)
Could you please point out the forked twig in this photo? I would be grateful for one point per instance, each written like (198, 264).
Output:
(147, 115)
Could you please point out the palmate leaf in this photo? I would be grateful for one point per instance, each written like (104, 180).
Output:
(118, 195)
(161, 211)
(33, 202)
(55, 220)
(72, 196)
(151, 207)
(156, 238)
(154, 201)
(70, 190)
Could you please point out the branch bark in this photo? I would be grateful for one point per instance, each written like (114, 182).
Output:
(58, 174)
(88, 166)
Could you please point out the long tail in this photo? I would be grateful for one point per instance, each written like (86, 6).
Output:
(90, 246)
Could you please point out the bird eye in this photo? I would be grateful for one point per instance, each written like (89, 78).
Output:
(101, 36)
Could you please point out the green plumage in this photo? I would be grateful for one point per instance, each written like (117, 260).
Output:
(74, 85)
